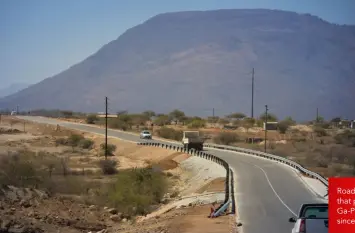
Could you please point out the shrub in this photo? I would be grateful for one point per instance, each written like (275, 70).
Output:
(74, 139)
(170, 133)
(110, 149)
(320, 131)
(195, 124)
(86, 143)
(226, 138)
(136, 190)
(347, 138)
(108, 167)
(283, 126)
(119, 124)
(91, 119)
(61, 141)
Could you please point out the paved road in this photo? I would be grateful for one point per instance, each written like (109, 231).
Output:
(267, 193)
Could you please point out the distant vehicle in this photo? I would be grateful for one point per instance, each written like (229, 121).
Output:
(13, 113)
(145, 134)
(192, 140)
(312, 218)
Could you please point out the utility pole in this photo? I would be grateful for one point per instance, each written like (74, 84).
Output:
(106, 107)
(213, 113)
(266, 116)
(317, 116)
(17, 110)
(252, 95)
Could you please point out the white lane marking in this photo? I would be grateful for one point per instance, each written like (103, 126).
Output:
(272, 187)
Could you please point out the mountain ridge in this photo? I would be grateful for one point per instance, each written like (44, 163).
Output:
(297, 58)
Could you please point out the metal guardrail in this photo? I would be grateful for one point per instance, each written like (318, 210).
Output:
(272, 157)
(204, 155)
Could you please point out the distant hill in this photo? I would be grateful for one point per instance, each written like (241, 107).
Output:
(199, 60)
(13, 88)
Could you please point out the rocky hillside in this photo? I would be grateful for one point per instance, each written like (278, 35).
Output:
(203, 59)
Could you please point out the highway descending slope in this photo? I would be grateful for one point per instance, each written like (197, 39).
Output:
(267, 193)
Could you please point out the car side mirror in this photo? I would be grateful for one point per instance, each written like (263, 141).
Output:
(293, 219)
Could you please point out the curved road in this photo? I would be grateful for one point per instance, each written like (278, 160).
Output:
(267, 193)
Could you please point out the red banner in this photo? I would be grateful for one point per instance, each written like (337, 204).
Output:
(341, 205)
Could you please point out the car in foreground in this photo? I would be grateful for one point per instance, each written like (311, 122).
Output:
(312, 218)
(145, 134)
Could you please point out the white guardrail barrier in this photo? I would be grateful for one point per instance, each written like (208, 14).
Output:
(272, 157)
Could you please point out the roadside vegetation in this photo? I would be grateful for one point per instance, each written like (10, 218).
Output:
(324, 146)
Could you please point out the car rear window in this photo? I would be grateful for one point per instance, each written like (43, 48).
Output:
(316, 212)
(146, 132)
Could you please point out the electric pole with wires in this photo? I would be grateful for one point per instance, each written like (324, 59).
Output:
(266, 116)
(252, 94)
(106, 108)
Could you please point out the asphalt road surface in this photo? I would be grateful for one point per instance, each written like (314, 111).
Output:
(267, 193)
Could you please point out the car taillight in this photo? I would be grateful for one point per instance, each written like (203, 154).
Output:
(302, 226)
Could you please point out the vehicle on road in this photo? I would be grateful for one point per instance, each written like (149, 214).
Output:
(145, 134)
(312, 218)
(192, 140)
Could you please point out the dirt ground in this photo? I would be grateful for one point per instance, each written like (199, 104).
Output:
(24, 210)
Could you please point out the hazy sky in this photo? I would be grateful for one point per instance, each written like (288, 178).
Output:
(40, 38)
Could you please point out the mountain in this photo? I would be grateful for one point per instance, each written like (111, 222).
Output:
(13, 88)
(199, 60)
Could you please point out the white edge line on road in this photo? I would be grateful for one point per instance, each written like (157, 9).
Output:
(296, 172)
(277, 195)
(238, 217)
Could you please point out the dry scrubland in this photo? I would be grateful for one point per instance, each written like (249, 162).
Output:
(318, 145)
(56, 180)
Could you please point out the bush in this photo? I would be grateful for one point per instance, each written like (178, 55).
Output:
(170, 133)
(91, 119)
(119, 124)
(136, 190)
(108, 167)
(86, 143)
(110, 149)
(346, 138)
(320, 131)
(283, 126)
(196, 124)
(74, 139)
(61, 141)
(226, 138)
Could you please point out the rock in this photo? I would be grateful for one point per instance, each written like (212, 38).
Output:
(124, 220)
(25, 203)
(112, 211)
(92, 207)
(115, 218)
(106, 208)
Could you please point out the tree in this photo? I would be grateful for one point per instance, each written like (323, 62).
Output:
(290, 121)
(162, 120)
(236, 115)
(223, 121)
(91, 119)
(248, 122)
(320, 119)
(196, 124)
(67, 114)
(336, 120)
(283, 126)
(149, 114)
(270, 117)
(212, 119)
(176, 114)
